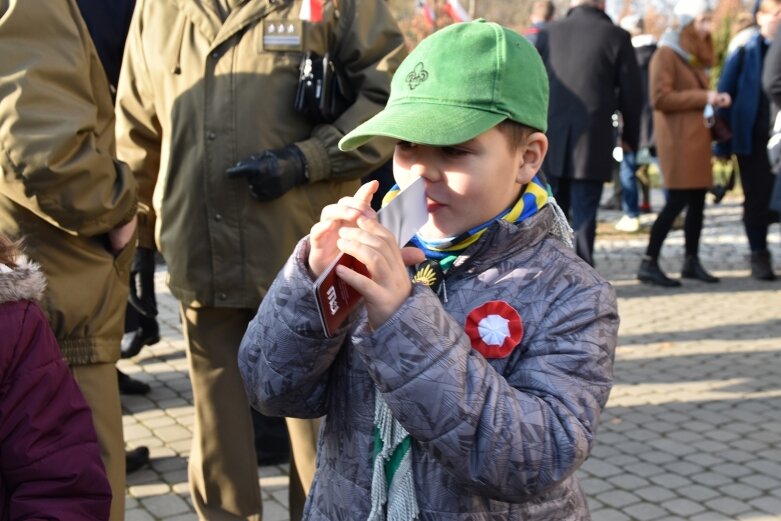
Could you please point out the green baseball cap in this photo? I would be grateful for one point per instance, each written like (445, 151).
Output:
(458, 83)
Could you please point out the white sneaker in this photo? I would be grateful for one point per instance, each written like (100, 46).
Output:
(628, 224)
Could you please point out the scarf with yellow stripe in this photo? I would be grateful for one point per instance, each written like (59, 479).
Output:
(393, 488)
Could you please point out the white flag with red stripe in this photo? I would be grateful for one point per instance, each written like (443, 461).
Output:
(456, 11)
(311, 11)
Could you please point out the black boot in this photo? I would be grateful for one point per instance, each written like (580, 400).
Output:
(135, 459)
(651, 273)
(692, 269)
(128, 385)
(761, 265)
(147, 334)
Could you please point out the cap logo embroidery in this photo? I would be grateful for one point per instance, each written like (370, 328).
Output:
(417, 76)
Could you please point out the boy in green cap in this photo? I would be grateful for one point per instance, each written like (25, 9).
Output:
(475, 398)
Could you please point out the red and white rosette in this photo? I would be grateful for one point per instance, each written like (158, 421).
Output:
(494, 328)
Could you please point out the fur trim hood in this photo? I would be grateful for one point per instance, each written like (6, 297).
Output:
(25, 282)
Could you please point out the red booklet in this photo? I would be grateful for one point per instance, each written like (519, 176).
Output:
(335, 298)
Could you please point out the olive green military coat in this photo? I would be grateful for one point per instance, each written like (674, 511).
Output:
(197, 94)
(60, 187)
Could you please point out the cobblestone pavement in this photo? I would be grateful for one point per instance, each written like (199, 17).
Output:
(692, 430)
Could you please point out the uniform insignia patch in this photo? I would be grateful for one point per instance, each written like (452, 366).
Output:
(283, 35)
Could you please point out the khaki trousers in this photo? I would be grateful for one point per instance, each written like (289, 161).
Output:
(98, 384)
(303, 443)
(222, 470)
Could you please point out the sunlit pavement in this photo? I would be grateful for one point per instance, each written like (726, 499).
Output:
(692, 430)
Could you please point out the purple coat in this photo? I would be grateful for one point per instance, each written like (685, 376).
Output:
(50, 466)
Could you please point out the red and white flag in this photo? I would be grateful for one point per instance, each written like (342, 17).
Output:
(456, 11)
(311, 11)
(428, 13)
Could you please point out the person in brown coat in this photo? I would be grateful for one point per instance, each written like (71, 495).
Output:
(678, 87)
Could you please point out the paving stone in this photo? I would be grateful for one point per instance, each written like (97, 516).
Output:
(273, 511)
(728, 505)
(149, 489)
(165, 505)
(732, 470)
(609, 514)
(708, 516)
(683, 468)
(645, 511)
(601, 469)
(771, 505)
(138, 514)
(183, 517)
(697, 492)
(617, 498)
(761, 482)
(673, 481)
(629, 482)
(655, 494)
(683, 507)
(740, 491)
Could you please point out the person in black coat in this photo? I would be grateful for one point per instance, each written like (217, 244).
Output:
(593, 72)
(771, 83)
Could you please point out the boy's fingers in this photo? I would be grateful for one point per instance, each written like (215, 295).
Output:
(321, 228)
(366, 192)
(358, 282)
(348, 209)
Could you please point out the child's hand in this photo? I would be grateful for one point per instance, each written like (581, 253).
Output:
(389, 285)
(324, 234)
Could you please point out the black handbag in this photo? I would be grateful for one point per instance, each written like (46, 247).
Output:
(720, 130)
(323, 92)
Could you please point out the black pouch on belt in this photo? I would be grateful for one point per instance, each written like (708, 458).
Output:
(323, 94)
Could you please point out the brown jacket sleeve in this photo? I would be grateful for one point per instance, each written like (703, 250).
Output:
(56, 122)
(138, 128)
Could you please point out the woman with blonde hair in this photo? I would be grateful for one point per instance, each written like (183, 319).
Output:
(683, 105)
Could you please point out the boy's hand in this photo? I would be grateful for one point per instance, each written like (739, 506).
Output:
(324, 234)
(389, 285)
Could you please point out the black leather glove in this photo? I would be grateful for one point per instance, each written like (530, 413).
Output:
(272, 173)
(142, 283)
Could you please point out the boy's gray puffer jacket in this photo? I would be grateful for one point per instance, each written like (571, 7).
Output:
(494, 439)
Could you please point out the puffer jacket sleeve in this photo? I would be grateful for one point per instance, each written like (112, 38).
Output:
(661, 89)
(507, 436)
(284, 357)
(138, 130)
(56, 134)
(50, 465)
(369, 47)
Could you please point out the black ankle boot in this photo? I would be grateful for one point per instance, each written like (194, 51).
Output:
(136, 458)
(761, 265)
(145, 335)
(692, 269)
(651, 273)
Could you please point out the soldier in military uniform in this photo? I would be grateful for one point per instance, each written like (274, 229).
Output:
(206, 84)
